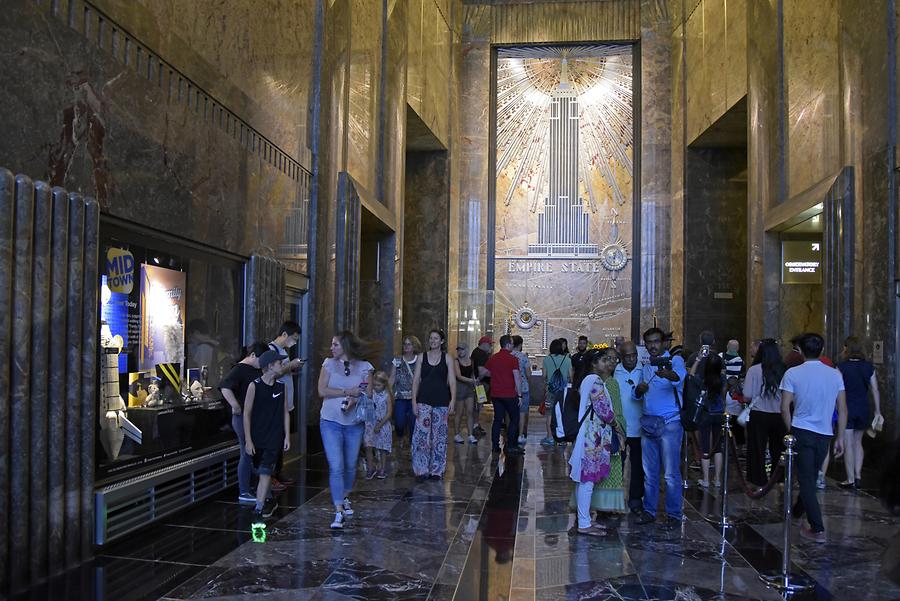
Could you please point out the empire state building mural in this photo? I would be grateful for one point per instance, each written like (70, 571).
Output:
(564, 193)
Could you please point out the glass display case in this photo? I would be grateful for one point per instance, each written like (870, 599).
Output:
(170, 329)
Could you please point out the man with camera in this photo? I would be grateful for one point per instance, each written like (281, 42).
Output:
(661, 431)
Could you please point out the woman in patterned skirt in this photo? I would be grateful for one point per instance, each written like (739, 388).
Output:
(434, 393)
(595, 463)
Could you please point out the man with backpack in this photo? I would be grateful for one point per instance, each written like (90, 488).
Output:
(661, 430)
(558, 371)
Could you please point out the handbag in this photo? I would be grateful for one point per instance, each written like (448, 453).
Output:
(480, 394)
(652, 426)
(743, 417)
(365, 409)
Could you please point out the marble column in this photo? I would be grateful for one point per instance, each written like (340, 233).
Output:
(766, 182)
(7, 208)
(661, 286)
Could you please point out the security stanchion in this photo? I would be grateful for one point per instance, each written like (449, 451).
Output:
(785, 581)
(685, 463)
(724, 521)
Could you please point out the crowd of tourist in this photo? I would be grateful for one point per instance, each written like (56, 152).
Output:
(630, 427)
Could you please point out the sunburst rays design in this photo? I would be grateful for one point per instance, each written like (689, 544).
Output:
(601, 76)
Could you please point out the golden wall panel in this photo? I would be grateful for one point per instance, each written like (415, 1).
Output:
(812, 89)
(226, 47)
(365, 75)
(717, 61)
(566, 22)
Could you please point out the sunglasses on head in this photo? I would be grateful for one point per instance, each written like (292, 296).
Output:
(346, 368)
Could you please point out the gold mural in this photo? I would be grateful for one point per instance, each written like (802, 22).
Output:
(564, 192)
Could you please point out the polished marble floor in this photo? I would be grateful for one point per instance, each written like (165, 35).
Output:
(496, 528)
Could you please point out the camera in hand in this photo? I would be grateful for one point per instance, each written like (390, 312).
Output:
(344, 404)
(661, 362)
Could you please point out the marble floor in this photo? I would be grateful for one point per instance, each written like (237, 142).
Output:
(495, 528)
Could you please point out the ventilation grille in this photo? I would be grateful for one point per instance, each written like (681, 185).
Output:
(125, 507)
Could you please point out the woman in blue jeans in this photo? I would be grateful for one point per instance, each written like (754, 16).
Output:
(344, 377)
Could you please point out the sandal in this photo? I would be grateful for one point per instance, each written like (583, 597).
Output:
(591, 531)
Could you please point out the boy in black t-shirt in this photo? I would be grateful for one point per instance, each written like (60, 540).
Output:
(266, 427)
(234, 390)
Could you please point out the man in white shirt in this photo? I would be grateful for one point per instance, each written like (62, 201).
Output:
(814, 389)
(629, 373)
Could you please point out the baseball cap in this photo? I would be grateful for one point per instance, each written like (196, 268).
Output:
(485, 339)
(267, 358)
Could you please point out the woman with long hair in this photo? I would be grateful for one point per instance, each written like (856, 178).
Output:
(434, 393)
(713, 385)
(401, 383)
(766, 426)
(345, 376)
(859, 381)
(595, 459)
(557, 361)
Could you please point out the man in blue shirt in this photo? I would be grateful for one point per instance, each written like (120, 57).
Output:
(629, 374)
(661, 426)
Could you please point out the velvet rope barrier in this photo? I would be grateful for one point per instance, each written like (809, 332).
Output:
(753, 491)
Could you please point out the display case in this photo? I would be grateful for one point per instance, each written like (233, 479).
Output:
(170, 329)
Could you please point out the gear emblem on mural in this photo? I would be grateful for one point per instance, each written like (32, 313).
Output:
(614, 257)
(525, 318)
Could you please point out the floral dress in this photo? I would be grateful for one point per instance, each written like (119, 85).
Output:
(597, 439)
(382, 439)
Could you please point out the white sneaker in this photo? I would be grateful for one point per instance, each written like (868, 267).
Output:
(522, 441)
(338, 520)
(348, 511)
(473, 440)
(820, 481)
(703, 483)
(458, 439)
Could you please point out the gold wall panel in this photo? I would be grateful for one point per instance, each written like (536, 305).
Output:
(566, 22)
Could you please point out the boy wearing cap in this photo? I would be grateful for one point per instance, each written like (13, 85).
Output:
(266, 427)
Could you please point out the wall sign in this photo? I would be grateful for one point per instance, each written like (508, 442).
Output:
(119, 270)
(801, 262)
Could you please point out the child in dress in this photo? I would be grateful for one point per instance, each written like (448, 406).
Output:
(379, 432)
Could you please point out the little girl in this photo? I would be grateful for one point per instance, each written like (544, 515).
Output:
(379, 433)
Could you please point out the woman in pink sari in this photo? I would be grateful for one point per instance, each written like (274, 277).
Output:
(597, 444)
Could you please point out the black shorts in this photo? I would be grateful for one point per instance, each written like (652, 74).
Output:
(264, 461)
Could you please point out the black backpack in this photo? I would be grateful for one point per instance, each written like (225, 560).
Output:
(570, 418)
(693, 406)
(557, 382)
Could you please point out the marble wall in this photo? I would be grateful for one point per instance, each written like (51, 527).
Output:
(426, 242)
(152, 150)
(715, 244)
(817, 87)
(716, 48)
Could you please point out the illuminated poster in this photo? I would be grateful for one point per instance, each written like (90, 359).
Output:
(162, 316)
(564, 193)
(801, 262)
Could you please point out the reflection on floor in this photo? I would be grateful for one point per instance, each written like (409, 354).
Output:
(495, 528)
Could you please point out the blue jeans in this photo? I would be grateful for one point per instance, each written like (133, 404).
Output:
(510, 407)
(245, 463)
(812, 448)
(404, 420)
(664, 452)
(342, 451)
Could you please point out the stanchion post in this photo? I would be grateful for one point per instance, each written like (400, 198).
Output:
(686, 464)
(784, 580)
(724, 522)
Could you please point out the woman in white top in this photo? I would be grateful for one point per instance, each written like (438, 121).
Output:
(594, 450)
(766, 427)
(343, 379)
